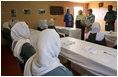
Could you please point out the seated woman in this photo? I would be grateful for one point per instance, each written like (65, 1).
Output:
(21, 47)
(6, 33)
(51, 24)
(95, 36)
(45, 62)
(42, 25)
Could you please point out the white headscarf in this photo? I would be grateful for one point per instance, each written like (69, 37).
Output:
(51, 22)
(43, 24)
(96, 29)
(46, 58)
(6, 25)
(40, 23)
(20, 31)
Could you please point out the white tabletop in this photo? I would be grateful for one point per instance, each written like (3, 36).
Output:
(72, 32)
(111, 37)
(67, 28)
(100, 60)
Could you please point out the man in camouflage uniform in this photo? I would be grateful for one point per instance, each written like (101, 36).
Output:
(89, 20)
(110, 18)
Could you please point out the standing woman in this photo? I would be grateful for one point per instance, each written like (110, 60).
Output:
(68, 18)
(45, 61)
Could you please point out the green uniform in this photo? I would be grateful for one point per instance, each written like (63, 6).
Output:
(111, 16)
(89, 20)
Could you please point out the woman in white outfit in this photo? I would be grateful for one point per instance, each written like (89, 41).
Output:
(95, 36)
(45, 61)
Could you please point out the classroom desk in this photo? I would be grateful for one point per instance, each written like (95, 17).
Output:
(111, 37)
(72, 32)
(97, 59)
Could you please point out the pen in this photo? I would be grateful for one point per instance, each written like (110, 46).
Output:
(109, 54)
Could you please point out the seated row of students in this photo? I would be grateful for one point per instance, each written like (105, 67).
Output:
(94, 36)
(45, 60)
(43, 24)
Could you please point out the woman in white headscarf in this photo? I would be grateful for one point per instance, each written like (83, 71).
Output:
(42, 25)
(6, 33)
(95, 35)
(6, 25)
(21, 47)
(45, 61)
(39, 25)
(51, 24)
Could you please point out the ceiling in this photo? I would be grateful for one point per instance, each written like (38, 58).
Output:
(81, 1)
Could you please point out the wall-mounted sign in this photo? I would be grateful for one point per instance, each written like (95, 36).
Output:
(41, 11)
(26, 11)
(13, 13)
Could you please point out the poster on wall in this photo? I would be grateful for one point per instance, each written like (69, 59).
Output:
(41, 11)
(13, 13)
(26, 11)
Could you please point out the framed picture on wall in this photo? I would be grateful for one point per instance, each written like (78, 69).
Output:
(41, 11)
(13, 12)
(26, 11)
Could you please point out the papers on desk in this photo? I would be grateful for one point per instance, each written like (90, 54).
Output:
(97, 59)
(67, 43)
(90, 49)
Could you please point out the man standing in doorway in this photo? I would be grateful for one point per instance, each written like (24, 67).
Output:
(110, 18)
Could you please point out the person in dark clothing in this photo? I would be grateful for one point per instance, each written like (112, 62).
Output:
(6, 33)
(110, 18)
